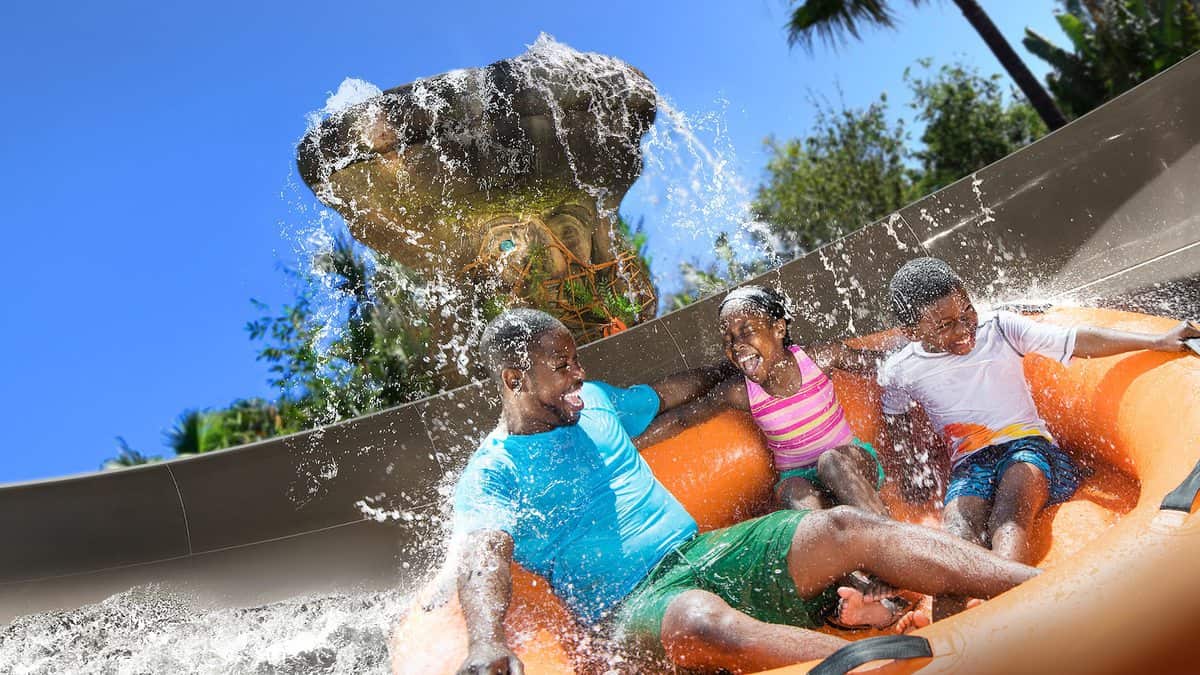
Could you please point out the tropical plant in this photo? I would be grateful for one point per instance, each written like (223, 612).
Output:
(855, 166)
(848, 171)
(244, 421)
(968, 124)
(728, 269)
(1115, 44)
(371, 350)
(833, 20)
(126, 457)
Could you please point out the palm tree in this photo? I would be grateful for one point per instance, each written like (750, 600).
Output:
(1115, 44)
(833, 19)
(126, 457)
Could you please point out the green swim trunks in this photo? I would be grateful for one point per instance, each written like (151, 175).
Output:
(746, 565)
(809, 473)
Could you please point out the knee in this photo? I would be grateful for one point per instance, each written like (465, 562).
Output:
(841, 523)
(962, 527)
(696, 627)
(835, 465)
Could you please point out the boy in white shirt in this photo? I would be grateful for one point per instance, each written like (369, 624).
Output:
(966, 372)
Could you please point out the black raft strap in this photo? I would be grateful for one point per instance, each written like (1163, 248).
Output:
(857, 653)
(1181, 498)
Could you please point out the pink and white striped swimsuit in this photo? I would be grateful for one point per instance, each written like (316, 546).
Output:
(802, 426)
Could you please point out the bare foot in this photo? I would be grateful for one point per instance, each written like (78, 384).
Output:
(912, 621)
(858, 610)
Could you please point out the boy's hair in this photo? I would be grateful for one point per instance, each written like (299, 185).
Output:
(918, 284)
(763, 300)
(506, 339)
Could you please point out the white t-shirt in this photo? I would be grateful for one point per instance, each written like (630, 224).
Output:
(981, 398)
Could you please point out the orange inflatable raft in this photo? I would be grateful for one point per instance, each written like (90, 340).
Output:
(1122, 592)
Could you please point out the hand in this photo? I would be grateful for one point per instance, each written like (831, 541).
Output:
(491, 658)
(1172, 341)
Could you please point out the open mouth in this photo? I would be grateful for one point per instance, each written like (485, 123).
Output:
(573, 399)
(749, 363)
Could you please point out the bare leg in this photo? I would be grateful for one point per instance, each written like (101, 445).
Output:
(830, 544)
(1022, 493)
(850, 474)
(965, 517)
(798, 494)
(699, 630)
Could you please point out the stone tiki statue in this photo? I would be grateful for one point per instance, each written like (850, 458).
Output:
(503, 180)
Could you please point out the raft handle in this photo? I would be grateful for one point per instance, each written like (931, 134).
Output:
(857, 653)
(1181, 498)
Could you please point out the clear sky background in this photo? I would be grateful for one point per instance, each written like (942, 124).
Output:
(148, 188)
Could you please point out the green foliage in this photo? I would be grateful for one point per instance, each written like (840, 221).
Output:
(378, 350)
(702, 281)
(636, 237)
(370, 351)
(855, 167)
(1115, 44)
(848, 171)
(968, 125)
(127, 456)
(244, 421)
(833, 20)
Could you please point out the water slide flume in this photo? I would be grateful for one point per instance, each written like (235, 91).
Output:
(1120, 593)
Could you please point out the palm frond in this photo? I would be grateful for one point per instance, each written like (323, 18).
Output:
(833, 20)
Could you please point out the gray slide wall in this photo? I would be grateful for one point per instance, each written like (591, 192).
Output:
(1108, 207)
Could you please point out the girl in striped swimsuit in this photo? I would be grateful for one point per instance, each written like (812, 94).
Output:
(792, 400)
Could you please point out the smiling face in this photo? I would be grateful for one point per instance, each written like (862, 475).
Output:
(547, 394)
(947, 325)
(753, 342)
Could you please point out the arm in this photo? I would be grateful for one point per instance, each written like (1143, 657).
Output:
(1091, 341)
(484, 590)
(730, 393)
(838, 355)
(689, 385)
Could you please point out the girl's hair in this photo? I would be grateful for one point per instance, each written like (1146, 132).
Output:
(763, 300)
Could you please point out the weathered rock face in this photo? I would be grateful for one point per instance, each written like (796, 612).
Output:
(507, 178)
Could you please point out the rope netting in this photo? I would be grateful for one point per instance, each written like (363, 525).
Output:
(593, 300)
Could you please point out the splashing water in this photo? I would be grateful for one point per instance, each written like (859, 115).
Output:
(690, 191)
(149, 630)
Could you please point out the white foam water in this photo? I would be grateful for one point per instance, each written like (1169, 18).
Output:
(151, 630)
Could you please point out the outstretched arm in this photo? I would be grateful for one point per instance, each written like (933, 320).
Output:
(484, 590)
(1091, 341)
(838, 355)
(688, 385)
(730, 393)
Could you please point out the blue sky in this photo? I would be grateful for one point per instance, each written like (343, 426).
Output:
(147, 167)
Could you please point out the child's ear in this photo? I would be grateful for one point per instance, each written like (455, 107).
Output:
(780, 328)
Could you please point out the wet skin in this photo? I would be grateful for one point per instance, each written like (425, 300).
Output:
(754, 343)
(948, 325)
(545, 396)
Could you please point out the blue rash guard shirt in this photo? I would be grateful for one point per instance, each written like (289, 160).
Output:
(582, 506)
